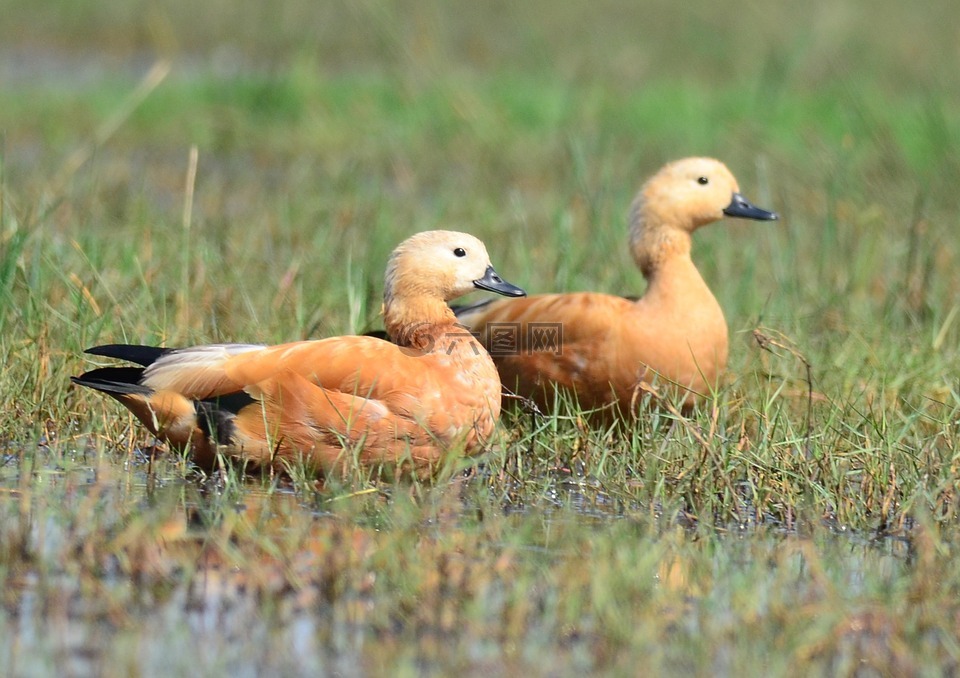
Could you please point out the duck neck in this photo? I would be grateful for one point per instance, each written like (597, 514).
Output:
(655, 241)
(662, 251)
(676, 283)
(416, 322)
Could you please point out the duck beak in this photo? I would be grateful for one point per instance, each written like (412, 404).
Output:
(494, 283)
(743, 208)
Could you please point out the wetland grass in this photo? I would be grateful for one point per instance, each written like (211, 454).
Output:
(803, 519)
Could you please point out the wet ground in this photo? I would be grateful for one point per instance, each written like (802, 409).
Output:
(113, 562)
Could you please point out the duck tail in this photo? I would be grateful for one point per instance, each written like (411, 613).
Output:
(114, 381)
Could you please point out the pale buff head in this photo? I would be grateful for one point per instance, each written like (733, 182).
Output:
(683, 196)
(441, 265)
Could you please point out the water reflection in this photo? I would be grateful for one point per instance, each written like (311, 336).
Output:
(160, 572)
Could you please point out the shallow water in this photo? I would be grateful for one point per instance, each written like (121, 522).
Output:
(122, 565)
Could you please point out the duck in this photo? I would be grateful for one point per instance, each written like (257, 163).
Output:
(329, 403)
(602, 348)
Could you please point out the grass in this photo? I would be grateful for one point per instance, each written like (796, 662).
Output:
(778, 529)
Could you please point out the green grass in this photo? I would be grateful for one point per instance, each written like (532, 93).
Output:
(753, 536)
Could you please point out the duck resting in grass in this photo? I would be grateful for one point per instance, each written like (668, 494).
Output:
(675, 334)
(329, 402)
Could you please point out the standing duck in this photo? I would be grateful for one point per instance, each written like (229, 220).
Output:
(329, 401)
(601, 347)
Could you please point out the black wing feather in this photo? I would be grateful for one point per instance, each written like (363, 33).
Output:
(141, 355)
(467, 308)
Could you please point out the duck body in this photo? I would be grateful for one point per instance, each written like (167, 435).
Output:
(675, 334)
(610, 344)
(331, 401)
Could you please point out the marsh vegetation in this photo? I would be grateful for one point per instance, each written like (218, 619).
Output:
(803, 519)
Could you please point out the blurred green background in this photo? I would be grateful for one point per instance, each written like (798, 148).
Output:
(328, 131)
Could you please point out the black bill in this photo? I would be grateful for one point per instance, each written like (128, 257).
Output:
(494, 283)
(744, 209)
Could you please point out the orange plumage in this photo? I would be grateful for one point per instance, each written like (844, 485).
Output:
(675, 332)
(434, 391)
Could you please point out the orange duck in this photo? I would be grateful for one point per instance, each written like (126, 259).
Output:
(435, 390)
(675, 333)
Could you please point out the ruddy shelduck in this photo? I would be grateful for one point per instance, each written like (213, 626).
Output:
(603, 347)
(328, 401)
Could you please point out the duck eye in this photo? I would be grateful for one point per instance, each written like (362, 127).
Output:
(459, 252)
(703, 181)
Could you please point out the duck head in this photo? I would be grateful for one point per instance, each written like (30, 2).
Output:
(683, 196)
(442, 265)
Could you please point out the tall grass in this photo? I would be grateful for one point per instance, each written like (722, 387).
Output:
(802, 519)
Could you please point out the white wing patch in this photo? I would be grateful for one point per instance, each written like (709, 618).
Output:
(196, 371)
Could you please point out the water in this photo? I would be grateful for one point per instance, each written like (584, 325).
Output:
(123, 564)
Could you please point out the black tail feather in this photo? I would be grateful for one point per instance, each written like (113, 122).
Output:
(114, 380)
(141, 355)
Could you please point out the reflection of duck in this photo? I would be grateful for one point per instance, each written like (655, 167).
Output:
(325, 400)
(608, 344)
